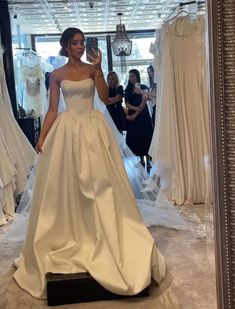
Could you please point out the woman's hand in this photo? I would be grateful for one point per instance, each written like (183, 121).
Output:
(131, 117)
(97, 59)
(126, 110)
(139, 91)
(38, 146)
(134, 108)
(145, 94)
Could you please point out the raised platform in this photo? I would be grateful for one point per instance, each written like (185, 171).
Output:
(78, 288)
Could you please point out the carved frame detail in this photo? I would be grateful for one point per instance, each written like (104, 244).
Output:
(221, 35)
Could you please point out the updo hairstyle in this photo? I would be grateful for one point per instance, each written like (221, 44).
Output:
(66, 36)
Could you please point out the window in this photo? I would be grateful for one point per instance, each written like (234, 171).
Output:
(139, 59)
(48, 47)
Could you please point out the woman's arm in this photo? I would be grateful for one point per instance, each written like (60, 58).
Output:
(119, 94)
(150, 94)
(137, 109)
(51, 112)
(142, 104)
(101, 85)
(132, 107)
(114, 100)
(98, 76)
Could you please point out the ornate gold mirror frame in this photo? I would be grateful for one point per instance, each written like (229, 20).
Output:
(221, 26)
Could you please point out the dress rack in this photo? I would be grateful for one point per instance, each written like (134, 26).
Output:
(191, 2)
(180, 9)
(26, 51)
(186, 3)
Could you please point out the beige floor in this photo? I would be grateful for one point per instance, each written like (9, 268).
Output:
(189, 284)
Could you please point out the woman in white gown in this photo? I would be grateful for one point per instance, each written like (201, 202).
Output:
(84, 216)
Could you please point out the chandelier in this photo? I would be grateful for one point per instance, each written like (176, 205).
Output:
(121, 45)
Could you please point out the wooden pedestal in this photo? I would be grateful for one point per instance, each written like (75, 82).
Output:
(77, 288)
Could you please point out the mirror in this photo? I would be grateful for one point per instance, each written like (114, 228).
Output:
(221, 35)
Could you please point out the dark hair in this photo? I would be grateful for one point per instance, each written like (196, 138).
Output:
(150, 67)
(130, 86)
(151, 80)
(66, 36)
(137, 74)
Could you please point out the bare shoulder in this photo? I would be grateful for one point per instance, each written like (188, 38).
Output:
(58, 74)
(55, 76)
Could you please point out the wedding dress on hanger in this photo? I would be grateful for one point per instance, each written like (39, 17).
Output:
(21, 152)
(180, 145)
(7, 183)
(30, 82)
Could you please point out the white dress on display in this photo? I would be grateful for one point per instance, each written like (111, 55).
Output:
(21, 151)
(7, 183)
(180, 145)
(83, 215)
(34, 84)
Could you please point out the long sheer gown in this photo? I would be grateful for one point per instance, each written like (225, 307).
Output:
(8, 174)
(21, 152)
(84, 216)
(180, 146)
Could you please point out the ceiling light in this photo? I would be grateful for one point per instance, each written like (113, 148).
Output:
(121, 44)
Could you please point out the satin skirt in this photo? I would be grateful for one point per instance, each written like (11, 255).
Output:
(84, 216)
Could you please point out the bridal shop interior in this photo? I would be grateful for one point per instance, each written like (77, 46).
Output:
(174, 191)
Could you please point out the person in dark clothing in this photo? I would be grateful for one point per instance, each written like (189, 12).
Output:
(139, 122)
(114, 105)
(47, 77)
(152, 93)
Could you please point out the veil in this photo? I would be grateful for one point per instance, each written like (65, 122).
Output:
(153, 205)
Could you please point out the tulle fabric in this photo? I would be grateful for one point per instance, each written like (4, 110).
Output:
(8, 174)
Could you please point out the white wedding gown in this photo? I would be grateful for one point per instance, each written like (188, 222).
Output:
(180, 145)
(83, 215)
(8, 174)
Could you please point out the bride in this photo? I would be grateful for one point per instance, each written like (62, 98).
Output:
(83, 215)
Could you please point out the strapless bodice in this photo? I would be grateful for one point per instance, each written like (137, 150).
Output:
(78, 95)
